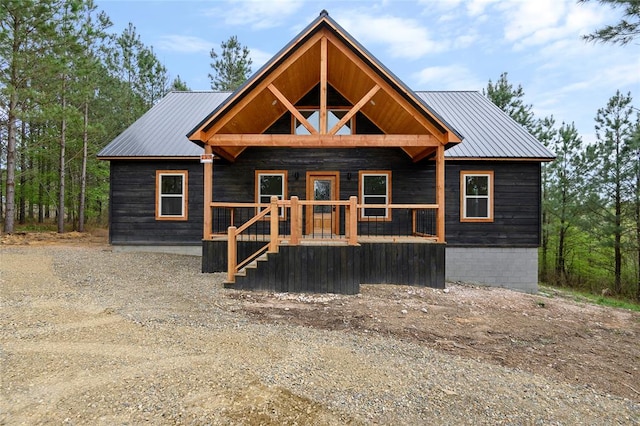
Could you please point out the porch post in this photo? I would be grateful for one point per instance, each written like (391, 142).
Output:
(294, 222)
(440, 193)
(353, 220)
(275, 223)
(208, 195)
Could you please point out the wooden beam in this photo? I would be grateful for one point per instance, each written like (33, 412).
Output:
(323, 86)
(442, 136)
(208, 195)
(227, 115)
(327, 141)
(366, 98)
(440, 190)
(292, 109)
(423, 154)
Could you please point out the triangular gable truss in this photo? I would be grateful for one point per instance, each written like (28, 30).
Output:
(323, 55)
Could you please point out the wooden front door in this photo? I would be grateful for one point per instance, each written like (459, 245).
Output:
(322, 221)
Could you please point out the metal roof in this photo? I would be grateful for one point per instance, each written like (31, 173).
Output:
(161, 131)
(488, 132)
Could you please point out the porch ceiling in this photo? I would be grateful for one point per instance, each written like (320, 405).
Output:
(321, 57)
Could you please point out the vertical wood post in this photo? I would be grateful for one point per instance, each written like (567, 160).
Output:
(273, 239)
(323, 86)
(440, 217)
(295, 222)
(208, 196)
(414, 215)
(232, 254)
(353, 221)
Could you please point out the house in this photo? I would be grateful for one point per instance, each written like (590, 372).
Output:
(324, 171)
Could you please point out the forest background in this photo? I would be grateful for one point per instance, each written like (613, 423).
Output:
(68, 86)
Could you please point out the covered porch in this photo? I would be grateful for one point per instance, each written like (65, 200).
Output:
(324, 246)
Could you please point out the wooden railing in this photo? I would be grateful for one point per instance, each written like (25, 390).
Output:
(282, 221)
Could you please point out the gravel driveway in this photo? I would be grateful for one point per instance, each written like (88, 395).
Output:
(95, 337)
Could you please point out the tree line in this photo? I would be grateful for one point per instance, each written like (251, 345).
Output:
(591, 194)
(67, 87)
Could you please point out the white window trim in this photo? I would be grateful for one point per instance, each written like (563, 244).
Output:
(363, 196)
(183, 196)
(464, 197)
(283, 196)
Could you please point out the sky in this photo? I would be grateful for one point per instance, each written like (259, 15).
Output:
(427, 44)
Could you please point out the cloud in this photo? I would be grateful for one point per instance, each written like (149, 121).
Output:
(183, 44)
(258, 14)
(403, 37)
(259, 58)
(528, 23)
(451, 77)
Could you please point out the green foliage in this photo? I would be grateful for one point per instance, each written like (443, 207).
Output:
(231, 67)
(510, 100)
(624, 31)
(67, 83)
(179, 86)
(586, 297)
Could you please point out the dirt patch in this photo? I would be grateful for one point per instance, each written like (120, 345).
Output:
(73, 238)
(545, 334)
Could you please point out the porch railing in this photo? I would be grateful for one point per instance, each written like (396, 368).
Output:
(307, 221)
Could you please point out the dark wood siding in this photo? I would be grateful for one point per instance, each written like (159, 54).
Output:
(411, 183)
(132, 208)
(517, 198)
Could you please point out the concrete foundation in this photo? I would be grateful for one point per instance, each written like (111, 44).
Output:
(513, 268)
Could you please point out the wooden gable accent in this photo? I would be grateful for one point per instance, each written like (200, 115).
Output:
(326, 56)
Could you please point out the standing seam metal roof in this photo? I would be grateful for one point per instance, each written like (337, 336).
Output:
(488, 132)
(161, 131)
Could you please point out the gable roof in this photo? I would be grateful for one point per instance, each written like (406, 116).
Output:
(324, 55)
(488, 132)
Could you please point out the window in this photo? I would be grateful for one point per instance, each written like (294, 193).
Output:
(171, 195)
(375, 188)
(271, 183)
(476, 196)
(313, 117)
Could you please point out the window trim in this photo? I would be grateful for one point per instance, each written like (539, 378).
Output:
(463, 197)
(361, 195)
(285, 177)
(185, 194)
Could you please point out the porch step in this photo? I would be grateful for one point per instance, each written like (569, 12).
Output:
(247, 274)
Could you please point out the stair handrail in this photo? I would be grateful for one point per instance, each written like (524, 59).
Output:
(232, 240)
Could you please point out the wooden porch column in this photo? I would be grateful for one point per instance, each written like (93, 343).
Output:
(440, 193)
(208, 196)
(295, 222)
(275, 223)
(353, 220)
(232, 254)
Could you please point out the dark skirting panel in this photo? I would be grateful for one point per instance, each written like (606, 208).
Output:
(419, 264)
(332, 268)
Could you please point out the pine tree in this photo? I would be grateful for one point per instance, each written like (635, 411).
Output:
(624, 31)
(232, 67)
(510, 100)
(611, 162)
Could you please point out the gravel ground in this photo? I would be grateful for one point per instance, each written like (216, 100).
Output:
(90, 336)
